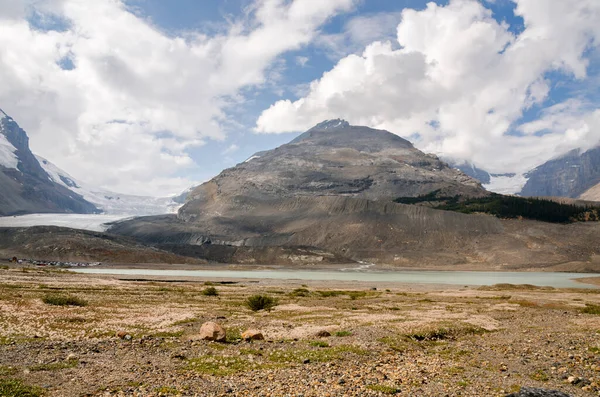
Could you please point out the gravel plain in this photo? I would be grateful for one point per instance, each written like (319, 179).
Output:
(139, 338)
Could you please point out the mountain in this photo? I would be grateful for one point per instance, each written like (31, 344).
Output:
(111, 203)
(330, 189)
(575, 174)
(26, 187)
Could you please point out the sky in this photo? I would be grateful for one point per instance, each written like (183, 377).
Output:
(151, 97)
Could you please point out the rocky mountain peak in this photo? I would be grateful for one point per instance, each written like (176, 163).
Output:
(341, 134)
(329, 124)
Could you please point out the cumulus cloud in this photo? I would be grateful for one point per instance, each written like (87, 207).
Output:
(458, 82)
(117, 102)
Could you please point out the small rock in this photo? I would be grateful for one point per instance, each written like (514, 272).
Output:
(252, 334)
(573, 380)
(213, 332)
(306, 361)
(323, 334)
(121, 334)
(128, 337)
(71, 357)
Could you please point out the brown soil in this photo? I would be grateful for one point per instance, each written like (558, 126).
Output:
(398, 339)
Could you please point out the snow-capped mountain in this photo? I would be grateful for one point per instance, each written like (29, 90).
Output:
(25, 187)
(112, 203)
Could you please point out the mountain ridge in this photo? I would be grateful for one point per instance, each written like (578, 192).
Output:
(26, 187)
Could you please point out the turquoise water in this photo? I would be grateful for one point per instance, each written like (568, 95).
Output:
(557, 280)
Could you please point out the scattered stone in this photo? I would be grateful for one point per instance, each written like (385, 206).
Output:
(128, 337)
(323, 334)
(534, 392)
(121, 334)
(213, 332)
(253, 334)
(306, 361)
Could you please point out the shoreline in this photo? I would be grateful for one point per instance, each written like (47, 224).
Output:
(282, 275)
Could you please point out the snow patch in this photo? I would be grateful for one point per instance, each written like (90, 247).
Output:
(252, 158)
(8, 158)
(506, 184)
(111, 203)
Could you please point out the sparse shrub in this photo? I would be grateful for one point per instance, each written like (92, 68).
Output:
(261, 302)
(64, 300)
(210, 291)
(319, 343)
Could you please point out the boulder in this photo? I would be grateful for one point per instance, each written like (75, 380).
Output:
(213, 332)
(323, 334)
(253, 334)
(534, 392)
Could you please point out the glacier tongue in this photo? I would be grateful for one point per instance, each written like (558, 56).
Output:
(111, 203)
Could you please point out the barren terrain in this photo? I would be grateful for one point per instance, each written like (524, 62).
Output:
(386, 339)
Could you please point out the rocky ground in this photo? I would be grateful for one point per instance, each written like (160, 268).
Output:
(140, 338)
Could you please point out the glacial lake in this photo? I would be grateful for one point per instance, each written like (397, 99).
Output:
(542, 279)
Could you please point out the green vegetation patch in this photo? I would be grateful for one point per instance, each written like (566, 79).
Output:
(16, 388)
(300, 292)
(319, 355)
(64, 300)
(385, 389)
(341, 334)
(591, 309)
(445, 331)
(55, 366)
(540, 375)
(503, 206)
(261, 302)
(7, 371)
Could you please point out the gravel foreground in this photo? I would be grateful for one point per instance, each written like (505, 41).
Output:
(65, 334)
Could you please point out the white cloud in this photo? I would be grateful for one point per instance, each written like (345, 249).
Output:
(460, 80)
(302, 61)
(231, 149)
(137, 99)
(359, 32)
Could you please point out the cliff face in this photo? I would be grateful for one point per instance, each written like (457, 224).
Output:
(26, 187)
(570, 175)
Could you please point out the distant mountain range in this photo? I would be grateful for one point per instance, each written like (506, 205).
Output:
(575, 174)
(32, 184)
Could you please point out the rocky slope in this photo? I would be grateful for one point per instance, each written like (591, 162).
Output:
(332, 188)
(571, 175)
(26, 187)
(51, 243)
